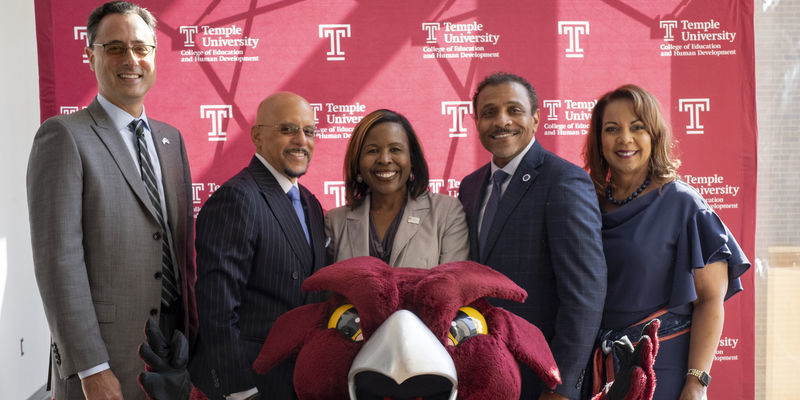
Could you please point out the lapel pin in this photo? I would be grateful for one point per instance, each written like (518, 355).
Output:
(526, 177)
(413, 220)
(165, 141)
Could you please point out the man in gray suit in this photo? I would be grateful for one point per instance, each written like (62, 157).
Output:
(259, 236)
(111, 223)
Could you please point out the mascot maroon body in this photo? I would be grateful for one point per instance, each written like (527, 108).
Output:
(486, 363)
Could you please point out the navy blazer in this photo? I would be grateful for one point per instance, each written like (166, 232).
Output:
(252, 258)
(546, 238)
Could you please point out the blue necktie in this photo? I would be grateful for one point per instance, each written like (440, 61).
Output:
(294, 196)
(491, 208)
(169, 288)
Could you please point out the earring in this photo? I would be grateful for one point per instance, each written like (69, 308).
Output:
(411, 177)
(359, 179)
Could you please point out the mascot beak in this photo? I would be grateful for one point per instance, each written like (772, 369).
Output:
(402, 359)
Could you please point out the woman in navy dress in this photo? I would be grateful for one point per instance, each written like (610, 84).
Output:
(668, 253)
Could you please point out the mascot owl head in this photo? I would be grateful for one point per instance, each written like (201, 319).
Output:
(406, 333)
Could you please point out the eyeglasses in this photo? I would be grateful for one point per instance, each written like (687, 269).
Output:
(117, 48)
(292, 129)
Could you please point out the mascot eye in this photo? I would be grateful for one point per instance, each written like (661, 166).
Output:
(345, 320)
(468, 322)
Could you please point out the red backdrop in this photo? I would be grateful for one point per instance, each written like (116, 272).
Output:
(216, 60)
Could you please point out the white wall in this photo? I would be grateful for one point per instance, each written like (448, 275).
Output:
(21, 313)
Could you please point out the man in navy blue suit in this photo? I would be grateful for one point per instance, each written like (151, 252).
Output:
(534, 217)
(258, 237)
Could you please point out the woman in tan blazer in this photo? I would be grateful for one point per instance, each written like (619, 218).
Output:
(390, 214)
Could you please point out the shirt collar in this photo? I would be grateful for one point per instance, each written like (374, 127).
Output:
(512, 165)
(285, 183)
(120, 117)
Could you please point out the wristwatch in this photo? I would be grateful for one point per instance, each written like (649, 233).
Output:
(702, 376)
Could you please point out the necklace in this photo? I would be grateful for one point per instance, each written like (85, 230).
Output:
(633, 195)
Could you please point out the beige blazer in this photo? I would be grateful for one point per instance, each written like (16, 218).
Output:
(433, 231)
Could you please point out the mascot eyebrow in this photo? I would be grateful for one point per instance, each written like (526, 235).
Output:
(436, 294)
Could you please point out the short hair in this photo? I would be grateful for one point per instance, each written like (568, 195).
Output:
(355, 190)
(498, 78)
(117, 7)
(663, 164)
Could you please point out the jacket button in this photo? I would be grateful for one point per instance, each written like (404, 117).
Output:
(295, 275)
(153, 312)
(157, 236)
(157, 275)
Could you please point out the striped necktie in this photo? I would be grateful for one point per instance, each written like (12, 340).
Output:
(169, 289)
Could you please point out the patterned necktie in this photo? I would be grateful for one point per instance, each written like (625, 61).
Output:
(294, 196)
(498, 178)
(169, 289)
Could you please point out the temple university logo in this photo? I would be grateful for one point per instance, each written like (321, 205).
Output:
(458, 109)
(79, 33)
(196, 189)
(66, 110)
(335, 32)
(188, 33)
(574, 30)
(216, 113)
(452, 187)
(693, 107)
(434, 185)
(551, 106)
(668, 26)
(431, 28)
(316, 107)
(336, 189)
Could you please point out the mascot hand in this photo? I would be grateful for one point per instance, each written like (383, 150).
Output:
(167, 377)
(635, 379)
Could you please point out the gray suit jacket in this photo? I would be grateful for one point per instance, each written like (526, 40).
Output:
(97, 245)
(433, 231)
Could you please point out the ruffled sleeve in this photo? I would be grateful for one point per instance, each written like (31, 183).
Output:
(705, 240)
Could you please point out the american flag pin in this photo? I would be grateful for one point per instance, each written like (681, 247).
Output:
(165, 141)
(413, 220)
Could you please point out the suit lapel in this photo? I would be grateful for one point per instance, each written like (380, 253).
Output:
(357, 228)
(521, 182)
(415, 212)
(475, 199)
(105, 130)
(282, 209)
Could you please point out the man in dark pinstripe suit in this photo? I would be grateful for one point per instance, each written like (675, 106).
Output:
(253, 253)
